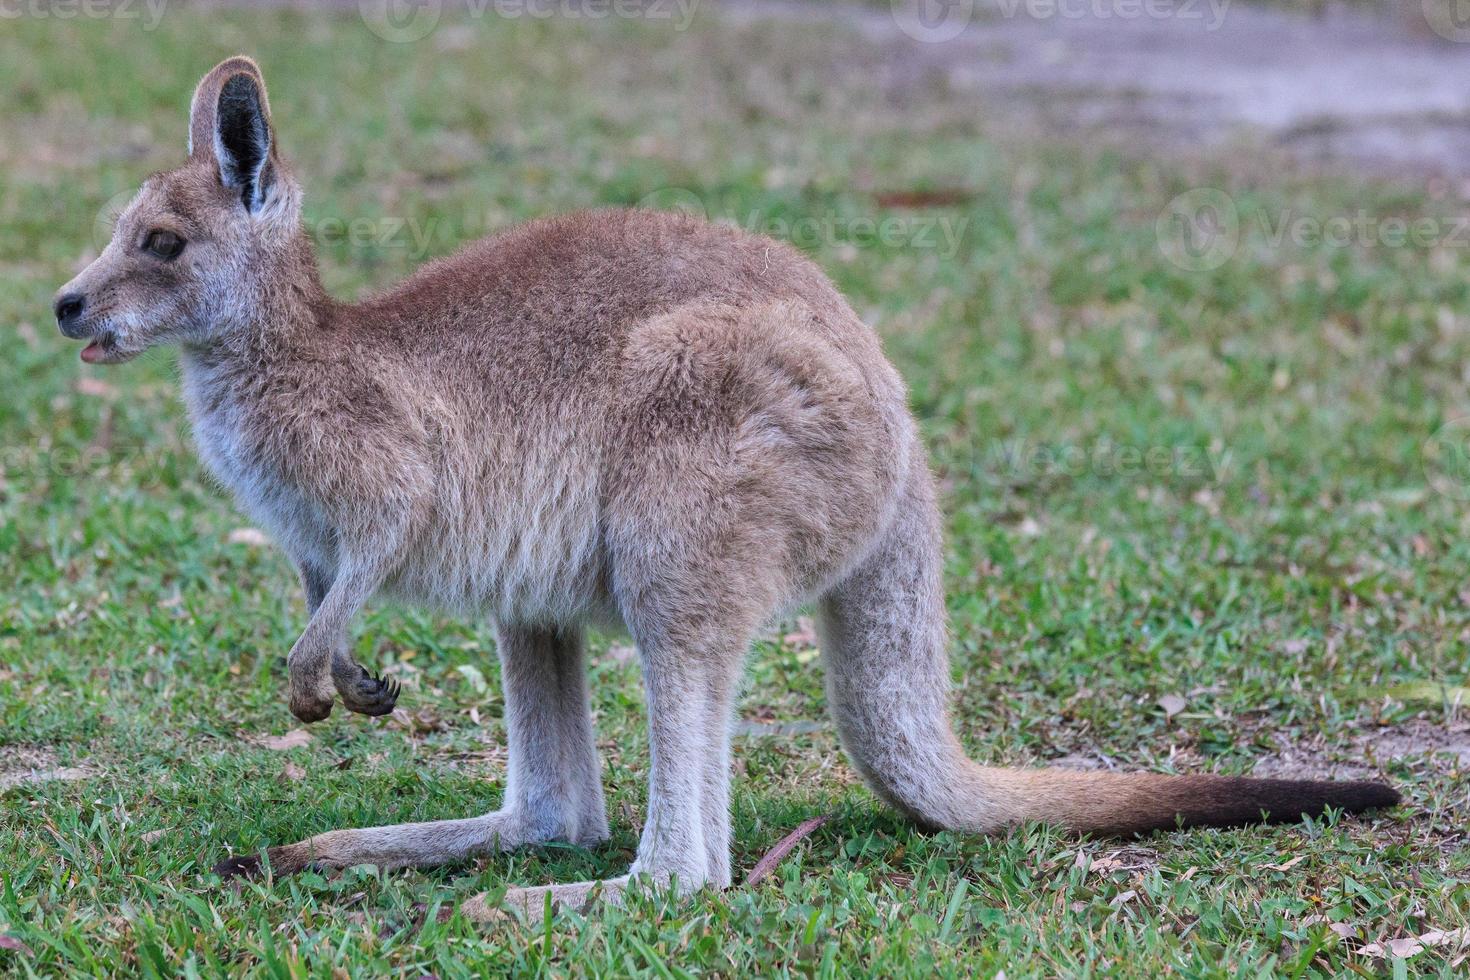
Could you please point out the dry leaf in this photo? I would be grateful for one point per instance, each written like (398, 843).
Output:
(152, 835)
(1123, 899)
(292, 772)
(280, 743)
(474, 678)
(1412, 945)
(1340, 929)
(1172, 704)
(1287, 865)
(420, 722)
(7, 941)
(621, 653)
(804, 637)
(254, 537)
(783, 847)
(95, 387)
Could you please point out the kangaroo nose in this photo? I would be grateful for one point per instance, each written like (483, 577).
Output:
(69, 310)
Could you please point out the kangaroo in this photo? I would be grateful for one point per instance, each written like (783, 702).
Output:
(618, 417)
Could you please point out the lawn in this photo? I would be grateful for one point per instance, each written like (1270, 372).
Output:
(1206, 511)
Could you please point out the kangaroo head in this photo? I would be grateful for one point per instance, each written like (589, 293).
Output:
(200, 249)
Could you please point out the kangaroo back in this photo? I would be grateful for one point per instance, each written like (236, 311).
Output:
(883, 643)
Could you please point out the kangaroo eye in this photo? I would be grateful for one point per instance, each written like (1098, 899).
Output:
(163, 244)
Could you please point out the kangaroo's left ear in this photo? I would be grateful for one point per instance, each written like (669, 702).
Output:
(229, 123)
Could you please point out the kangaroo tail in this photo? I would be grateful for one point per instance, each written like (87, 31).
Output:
(883, 642)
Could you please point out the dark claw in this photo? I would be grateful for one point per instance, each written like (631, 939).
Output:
(370, 694)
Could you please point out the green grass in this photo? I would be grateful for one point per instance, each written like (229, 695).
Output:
(1274, 554)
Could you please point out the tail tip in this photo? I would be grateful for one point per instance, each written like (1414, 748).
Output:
(1359, 796)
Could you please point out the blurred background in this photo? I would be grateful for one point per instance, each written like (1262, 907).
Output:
(1179, 289)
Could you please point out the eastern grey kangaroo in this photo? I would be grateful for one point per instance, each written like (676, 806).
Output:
(616, 417)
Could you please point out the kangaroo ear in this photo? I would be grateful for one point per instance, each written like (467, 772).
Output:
(229, 122)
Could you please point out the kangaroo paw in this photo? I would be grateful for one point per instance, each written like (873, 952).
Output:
(364, 693)
(310, 709)
(283, 861)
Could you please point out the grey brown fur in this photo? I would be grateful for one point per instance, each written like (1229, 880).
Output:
(616, 417)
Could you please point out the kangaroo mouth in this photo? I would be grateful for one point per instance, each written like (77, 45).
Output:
(102, 349)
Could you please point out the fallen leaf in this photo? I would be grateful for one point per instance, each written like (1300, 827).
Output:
(1123, 899)
(152, 835)
(292, 772)
(1172, 704)
(1412, 945)
(95, 387)
(254, 537)
(804, 637)
(291, 740)
(621, 653)
(783, 847)
(420, 722)
(7, 941)
(1287, 865)
(473, 677)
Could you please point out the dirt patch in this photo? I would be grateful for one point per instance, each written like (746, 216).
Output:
(1419, 744)
(22, 765)
(1375, 91)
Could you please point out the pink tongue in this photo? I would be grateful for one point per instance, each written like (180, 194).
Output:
(91, 352)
